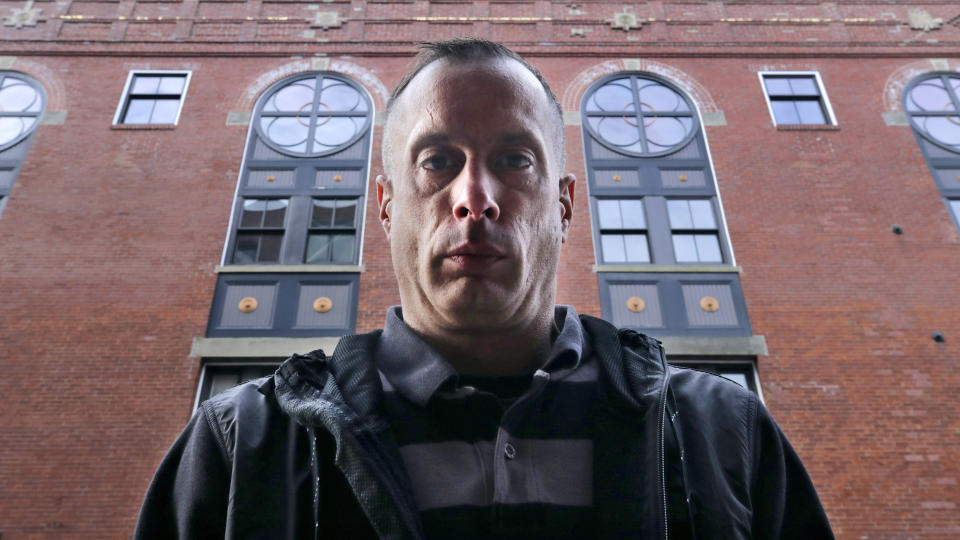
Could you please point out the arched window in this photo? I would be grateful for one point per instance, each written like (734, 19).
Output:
(663, 258)
(933, 103)
(292, 257)
(22, 102)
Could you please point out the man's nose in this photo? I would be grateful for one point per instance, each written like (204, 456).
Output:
(475, 197)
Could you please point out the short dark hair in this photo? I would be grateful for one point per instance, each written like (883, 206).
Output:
(465, 50)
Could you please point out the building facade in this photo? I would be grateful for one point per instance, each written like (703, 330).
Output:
(187, 197)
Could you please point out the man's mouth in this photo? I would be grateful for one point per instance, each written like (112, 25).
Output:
(474, 257)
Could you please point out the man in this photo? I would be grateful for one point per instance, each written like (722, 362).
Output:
(481, 410)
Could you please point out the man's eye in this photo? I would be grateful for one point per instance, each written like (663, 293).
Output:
(437, 163)
(515, 161)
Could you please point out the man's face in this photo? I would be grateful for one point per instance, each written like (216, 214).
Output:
(474, 205)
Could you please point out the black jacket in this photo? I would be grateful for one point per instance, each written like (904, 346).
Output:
(307, 453)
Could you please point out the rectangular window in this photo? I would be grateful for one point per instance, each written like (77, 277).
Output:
(219, 377)
(152, 97)
(693, 229)
(796, 98)
(741, 372)
(333, 231)
(260, 231)
(954, 207)
(623, 231)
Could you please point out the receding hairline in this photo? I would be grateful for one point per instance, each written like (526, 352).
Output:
(464, 51)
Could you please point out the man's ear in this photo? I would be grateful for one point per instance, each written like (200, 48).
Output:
(385, 201)
(567, 184)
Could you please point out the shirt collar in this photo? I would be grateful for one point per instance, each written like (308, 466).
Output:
(418, 371)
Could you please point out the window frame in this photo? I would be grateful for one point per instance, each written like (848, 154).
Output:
(822, 98)
(303, 191)
(125, 95)
(740, 363)
(30, 81)
(205, 381)
(622, 231)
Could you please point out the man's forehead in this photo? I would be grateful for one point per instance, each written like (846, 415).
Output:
(443, 82)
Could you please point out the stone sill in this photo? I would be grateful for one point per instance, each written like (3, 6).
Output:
(289, 268)
(144, 127)
(268, 347)
(597, 268)
(714, 346)
(807, 127)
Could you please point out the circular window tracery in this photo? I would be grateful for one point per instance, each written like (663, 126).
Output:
(21, 105)
(639, 116)
(932, 104)
(312, 116)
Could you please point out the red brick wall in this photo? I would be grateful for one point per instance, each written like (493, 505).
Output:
(110, 237)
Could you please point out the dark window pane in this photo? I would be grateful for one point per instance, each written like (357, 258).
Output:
(708, 248)
(275, 211)
(342, 249)
(611, 245)
(223, 381)
(784, 112)
(171, 85)
(322, 213)
(246, 250)
(144, 85)
(270, 248)
(252, 213)
(810, 112)
(318, 249)
(346, 213)
(165, 111)
(777, 86)
(684, 248)
(636, 247)
(804, 86)
(138, 111)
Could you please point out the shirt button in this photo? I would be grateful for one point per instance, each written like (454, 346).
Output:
(509, 451)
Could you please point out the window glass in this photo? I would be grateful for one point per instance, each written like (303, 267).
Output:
(708, 248)
(632, 211)
(955, 206)
(930, 95)
(684, 248)
(795, 99)
(663, 122)
(701, 213)
(636, 248)
(302, 118)
(679, 212)
(153, 98)
(346, 213)
(613, 248)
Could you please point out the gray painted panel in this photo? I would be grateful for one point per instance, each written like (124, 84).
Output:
(262, 317)
(726, 315)
(949, 179)
(262, 151)
(934, 151)
(281, 179)
(6, 179)
(17, 151)
(348, 179)
(354, 151)
(338, 314)
(649, 317)
(694, 179)
(600, 151)
(690, 151)
(628, 178)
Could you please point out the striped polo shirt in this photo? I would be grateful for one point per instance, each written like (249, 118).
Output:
(505, 457)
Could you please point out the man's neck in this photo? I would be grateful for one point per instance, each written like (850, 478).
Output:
(494, 352)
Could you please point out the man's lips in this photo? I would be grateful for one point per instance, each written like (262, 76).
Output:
(474, 257)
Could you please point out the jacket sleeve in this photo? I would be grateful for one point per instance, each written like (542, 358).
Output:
(188, 495)
(785, 502)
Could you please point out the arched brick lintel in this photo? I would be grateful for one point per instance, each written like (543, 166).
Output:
(898, 80)
(362, 75)
(52, 84)
(574, 91)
